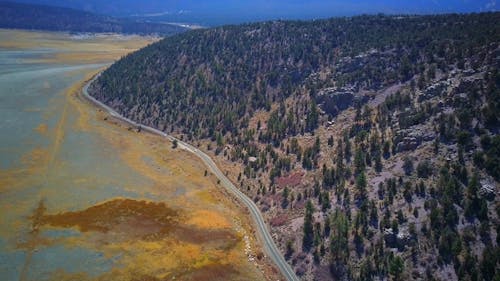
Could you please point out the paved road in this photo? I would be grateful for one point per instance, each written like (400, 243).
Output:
(263, 231)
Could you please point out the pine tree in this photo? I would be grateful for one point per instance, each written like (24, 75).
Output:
(361, 186)
(339, 243)
(359, 162)
(285, 195)
(308, 238)
(396, 267)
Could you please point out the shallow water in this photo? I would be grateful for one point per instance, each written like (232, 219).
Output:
(60, 162)
(74, 169)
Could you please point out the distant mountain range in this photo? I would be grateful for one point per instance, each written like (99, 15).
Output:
(217, 12)
(41, 17)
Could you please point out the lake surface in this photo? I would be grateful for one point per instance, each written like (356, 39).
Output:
(83, 198)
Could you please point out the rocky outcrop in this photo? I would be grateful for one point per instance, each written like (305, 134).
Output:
(399, 239)
(433, 91)
(332, 101)
(411, 138)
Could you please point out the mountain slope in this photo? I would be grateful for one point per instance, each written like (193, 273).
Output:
(28, 16)
(374, 138)
(209, 80)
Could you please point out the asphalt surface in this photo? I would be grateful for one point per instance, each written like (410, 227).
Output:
(269, 245)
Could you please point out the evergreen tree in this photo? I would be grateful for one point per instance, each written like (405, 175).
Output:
(308, 238)
(339, 244)
(361, 186)
(359, 162)
(284, 200)
(396, 267)
(408, 166)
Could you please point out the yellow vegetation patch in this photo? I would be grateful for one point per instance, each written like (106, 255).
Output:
(83, 113)
(208, 219)
(206, 196)
(157, 259)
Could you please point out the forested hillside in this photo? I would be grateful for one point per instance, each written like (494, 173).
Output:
(374, 137)
(39, 17)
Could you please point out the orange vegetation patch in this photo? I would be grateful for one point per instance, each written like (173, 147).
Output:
(119, 215)
(224, 238)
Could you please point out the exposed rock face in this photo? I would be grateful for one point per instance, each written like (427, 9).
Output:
(407, 144)
(433, 91)
(332, 100)
(488, 189)
(466, 86)
(411, 138)
(398, 239)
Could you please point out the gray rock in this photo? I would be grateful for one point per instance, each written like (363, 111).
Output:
(433, 91)
(332, 101)
(399, 240)
(411, 138)
(407, 143)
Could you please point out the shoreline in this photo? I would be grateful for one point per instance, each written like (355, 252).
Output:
(264, 234)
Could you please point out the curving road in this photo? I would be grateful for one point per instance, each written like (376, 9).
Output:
(269, 245)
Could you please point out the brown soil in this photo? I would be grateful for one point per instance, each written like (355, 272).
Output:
(291, 180)
(279, 220)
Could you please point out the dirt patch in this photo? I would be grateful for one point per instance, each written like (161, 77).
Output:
(279, 220)
(291, 180)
